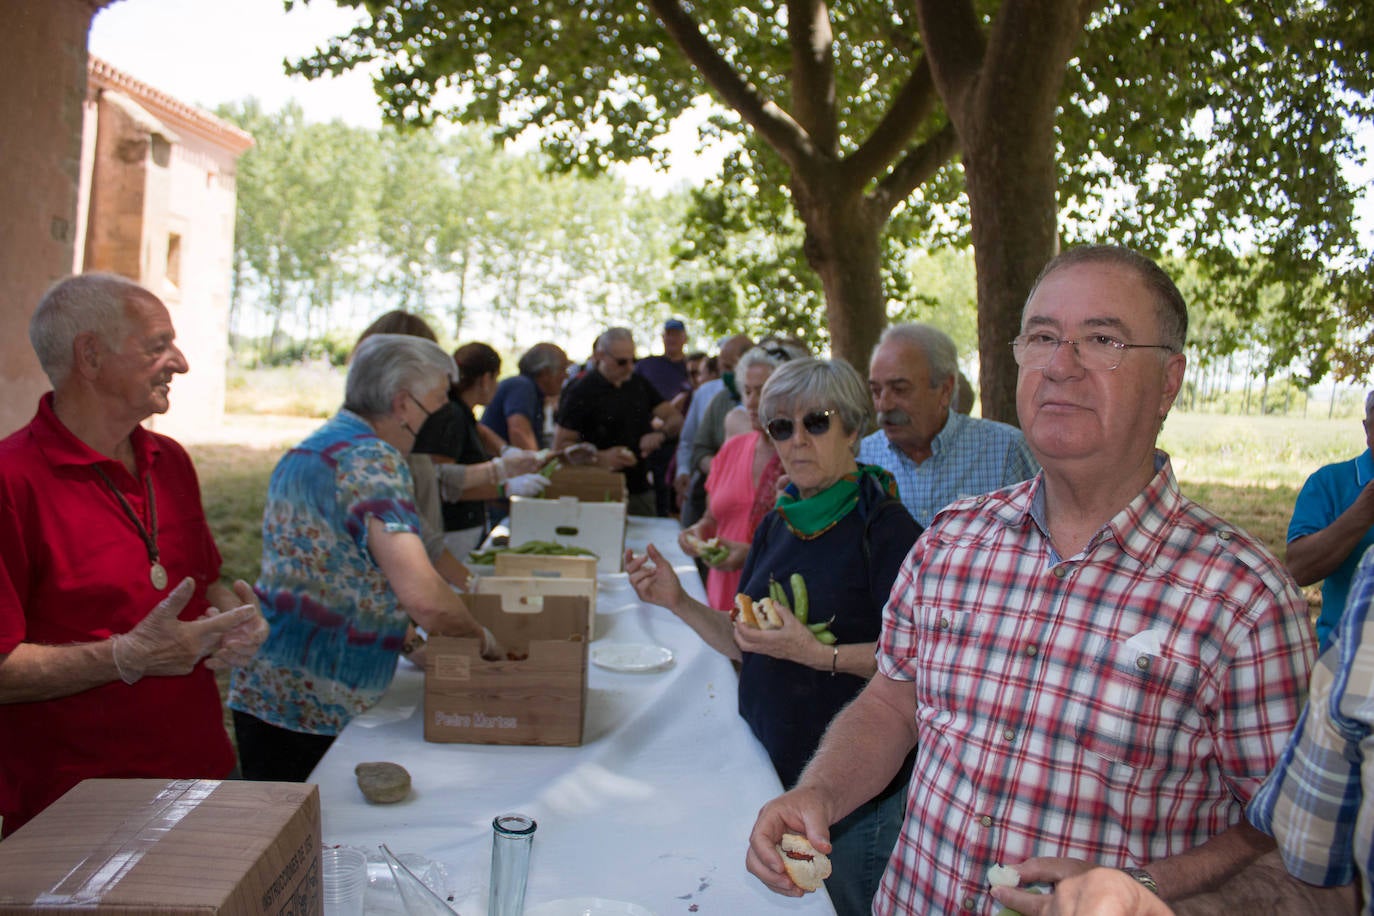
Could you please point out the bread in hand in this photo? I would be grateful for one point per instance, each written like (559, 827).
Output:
(807, 866)
(768, 614)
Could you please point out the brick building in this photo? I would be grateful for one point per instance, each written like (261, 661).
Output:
(109, 173)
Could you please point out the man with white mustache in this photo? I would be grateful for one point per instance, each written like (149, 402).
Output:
(112, 615)
(935, 453)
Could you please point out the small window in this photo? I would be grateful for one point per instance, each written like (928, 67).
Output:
(174, 259)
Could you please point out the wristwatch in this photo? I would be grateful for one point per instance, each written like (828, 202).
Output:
(1144, 878)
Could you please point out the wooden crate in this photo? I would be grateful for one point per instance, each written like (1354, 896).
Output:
(537, 695)
(528, 593)
(550, 566)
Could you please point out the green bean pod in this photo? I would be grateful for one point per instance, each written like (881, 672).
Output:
(801, 601)
(827, 637)
(777, 594)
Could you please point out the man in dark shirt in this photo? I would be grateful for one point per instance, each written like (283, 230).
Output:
(620, 413)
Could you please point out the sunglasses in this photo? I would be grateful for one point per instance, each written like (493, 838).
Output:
(623, 361)
(815, 422)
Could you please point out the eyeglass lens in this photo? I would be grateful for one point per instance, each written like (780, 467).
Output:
(1094, 352)
(815, 422)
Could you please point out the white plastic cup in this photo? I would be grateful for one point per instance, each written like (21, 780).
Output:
(345, 880)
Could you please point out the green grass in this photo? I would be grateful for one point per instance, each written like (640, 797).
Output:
(1267, 451)
(307, 390)
(233, 482)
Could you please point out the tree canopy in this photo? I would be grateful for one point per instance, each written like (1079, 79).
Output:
(1213, 131)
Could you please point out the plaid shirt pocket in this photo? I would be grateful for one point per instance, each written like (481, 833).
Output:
(1135, 706)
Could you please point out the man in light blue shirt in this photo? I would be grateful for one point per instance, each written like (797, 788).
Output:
(936, 454)
(1332, 527)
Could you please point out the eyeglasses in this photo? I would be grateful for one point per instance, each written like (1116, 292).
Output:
(623, 361)
(778, 353)
(815, 422)
(1101, 352)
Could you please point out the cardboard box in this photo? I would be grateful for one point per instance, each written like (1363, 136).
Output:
(517, 565)
(169, 847)
(595, 526)
(589, 484)
(538, 695)
(527, 593)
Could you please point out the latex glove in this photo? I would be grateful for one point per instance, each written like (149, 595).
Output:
(163, 645)
(526, 485)
(518, 461)
(240, 644)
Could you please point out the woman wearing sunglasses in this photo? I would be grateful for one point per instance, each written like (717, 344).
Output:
(840, 525)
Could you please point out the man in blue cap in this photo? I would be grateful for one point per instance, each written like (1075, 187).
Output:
(668, 374)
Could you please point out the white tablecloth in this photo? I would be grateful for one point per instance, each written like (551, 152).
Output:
(654, 808)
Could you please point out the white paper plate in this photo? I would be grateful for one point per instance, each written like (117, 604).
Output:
(631, 657)
(589, 906)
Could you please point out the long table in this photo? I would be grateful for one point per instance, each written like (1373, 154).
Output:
(654, 808)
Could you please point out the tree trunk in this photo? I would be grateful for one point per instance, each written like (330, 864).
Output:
(1001, 89)
(843, 246)
(1011, 191)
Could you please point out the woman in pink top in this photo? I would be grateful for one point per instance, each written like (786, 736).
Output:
(742, 485)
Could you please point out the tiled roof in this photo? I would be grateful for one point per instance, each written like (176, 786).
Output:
(103, 75)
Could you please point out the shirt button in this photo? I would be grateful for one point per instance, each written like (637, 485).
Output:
(980, 500)
(1031, 651)
(985, 820)
(1142, 662)
(1224, 535)
(944, 623)
(1009, 734)
(969, 904)
(1060, 572)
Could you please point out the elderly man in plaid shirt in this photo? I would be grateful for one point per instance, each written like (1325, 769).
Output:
(1093, 669)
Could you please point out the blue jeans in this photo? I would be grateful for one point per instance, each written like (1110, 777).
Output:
(862, 843)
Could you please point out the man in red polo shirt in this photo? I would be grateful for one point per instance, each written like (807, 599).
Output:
(111, 613)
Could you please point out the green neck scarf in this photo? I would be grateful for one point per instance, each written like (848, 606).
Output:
(811, 517)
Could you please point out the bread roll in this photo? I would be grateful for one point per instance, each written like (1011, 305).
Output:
(807, 866)
(766, 610)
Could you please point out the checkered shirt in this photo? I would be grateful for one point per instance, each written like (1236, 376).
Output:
(1118, 706)
(1312, 801)
(968, 456)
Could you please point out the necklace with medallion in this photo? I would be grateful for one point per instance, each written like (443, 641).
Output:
(157, 573)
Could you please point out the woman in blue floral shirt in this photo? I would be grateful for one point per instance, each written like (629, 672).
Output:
(344, 570)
